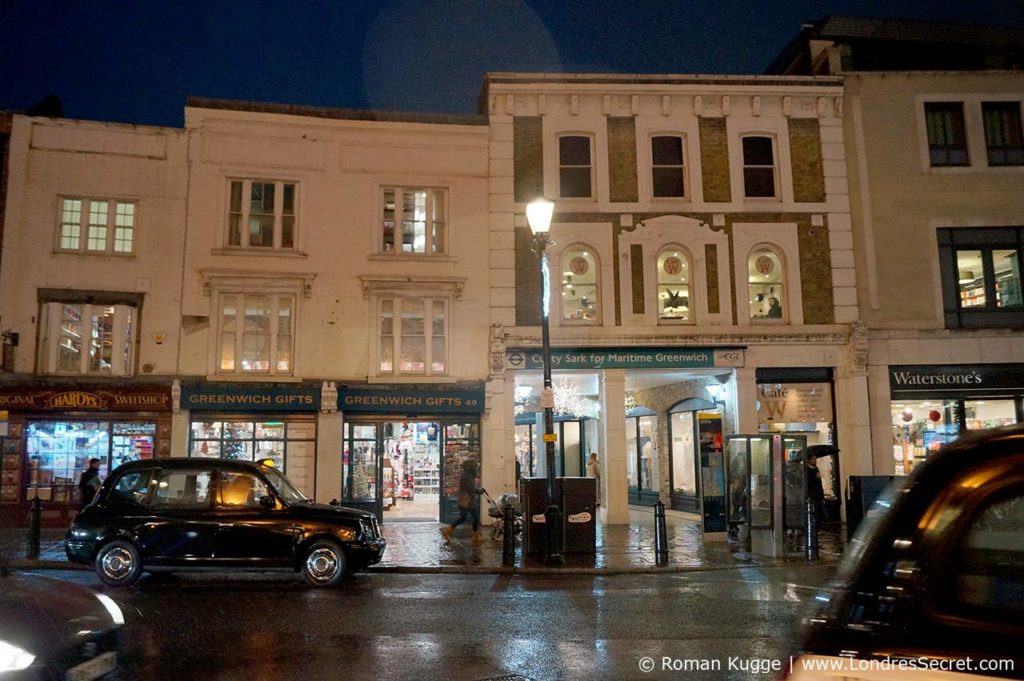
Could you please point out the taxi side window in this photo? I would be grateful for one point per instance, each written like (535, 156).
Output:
(132, 488)
(240, 490)
(182, 489)
(989, 575)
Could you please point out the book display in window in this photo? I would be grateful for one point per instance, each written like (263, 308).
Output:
(10, 465)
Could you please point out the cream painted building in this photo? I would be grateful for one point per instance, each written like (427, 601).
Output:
(702, 281)
(89, 302)
(936, 170)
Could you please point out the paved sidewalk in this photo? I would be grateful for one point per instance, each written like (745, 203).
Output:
(418, 547)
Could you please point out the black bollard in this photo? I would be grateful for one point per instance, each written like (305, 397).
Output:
(812, 530)
(660, 535)
(35, 516)
(508, 537)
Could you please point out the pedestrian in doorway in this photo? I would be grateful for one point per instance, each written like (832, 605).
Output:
(594, 471)
(468, 501)
(90, 482)
(815, 488)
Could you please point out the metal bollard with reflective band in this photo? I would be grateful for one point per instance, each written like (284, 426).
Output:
(812, 530)
(35, 516)
(660, 535)
(508, 537)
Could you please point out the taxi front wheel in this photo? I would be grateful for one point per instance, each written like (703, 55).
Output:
(118, 564)
(324, 564)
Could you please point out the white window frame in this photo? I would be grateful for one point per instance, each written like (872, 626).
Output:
(684, 253)
(556, 273)
(126, 322)
(432, 194)
(110, 226)
(244, 214)
(240, 295)
(771, 137)
(649, 160)
(593, 163)
(429, 301)
(783, 238)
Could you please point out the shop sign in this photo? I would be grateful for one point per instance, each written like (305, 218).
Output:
(924, 381)
(254, 398)
(86, 399)
(580, 517)
(794, 403)
(410, 400)
(627, 358)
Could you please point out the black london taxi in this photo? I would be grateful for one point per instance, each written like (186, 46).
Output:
(185, 513)
(932, 586)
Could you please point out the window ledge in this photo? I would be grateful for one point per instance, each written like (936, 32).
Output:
(383, 283)
(411, 257)
(417, 378)
(95, 254)
(252, 378)
(260, 252)
(270, 282)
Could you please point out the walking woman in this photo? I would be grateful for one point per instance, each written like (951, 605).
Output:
(469, 502)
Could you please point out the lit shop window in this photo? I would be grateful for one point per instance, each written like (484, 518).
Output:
(758, 167)
(976, 267)
(249, 440)
(256, 333)
(413, 221)
(765, 284)
(97, 226)
(947, 137)
(262, 215)
(413, 336)
(580, 301)
(81, 338)
(673, 286)
(919, 429)
(575, 168)
(667, 171)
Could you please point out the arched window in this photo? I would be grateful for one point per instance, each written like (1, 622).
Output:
(674, 286)
(766, 286)
(580, 291)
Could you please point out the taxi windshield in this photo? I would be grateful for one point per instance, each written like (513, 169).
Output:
(288, 491)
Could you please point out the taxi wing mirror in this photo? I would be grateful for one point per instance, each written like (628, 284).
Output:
(267, 501)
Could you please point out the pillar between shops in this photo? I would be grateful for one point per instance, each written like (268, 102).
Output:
(746, 399)
(180, 425)
(328, 456)
(497, 446)
(614, 495)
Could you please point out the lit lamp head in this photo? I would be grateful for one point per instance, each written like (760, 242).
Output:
(538, 214)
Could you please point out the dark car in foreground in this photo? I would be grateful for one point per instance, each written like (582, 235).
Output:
(181, 514)
(932, 587)
(50, 629)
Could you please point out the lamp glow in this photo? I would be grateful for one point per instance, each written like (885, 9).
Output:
(538, 214)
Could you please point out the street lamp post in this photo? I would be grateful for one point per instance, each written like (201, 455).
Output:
(538, 214)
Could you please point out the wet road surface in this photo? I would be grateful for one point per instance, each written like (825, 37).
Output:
(394, 626)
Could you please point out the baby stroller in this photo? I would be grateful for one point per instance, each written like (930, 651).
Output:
(496, 510)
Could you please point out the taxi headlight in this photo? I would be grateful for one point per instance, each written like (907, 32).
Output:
(112, 608)
(13, 658)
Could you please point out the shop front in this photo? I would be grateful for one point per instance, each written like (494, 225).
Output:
(253, 422)
(935, 404)
(404, 448)
(51, 432)
(799, 403)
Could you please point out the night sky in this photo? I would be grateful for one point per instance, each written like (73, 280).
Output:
(137, 60)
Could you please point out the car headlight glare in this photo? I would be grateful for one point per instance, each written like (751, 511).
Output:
(13, 658)
(112, 608)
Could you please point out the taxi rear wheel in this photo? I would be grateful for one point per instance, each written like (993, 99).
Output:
(118, 564)
(324, 564)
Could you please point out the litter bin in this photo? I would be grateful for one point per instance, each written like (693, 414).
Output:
(579, 524)
(861, 492)
(533, 493)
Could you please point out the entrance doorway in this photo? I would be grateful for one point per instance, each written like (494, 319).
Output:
(406, 470)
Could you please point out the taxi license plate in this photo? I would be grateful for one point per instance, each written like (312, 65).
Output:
(94, 668)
